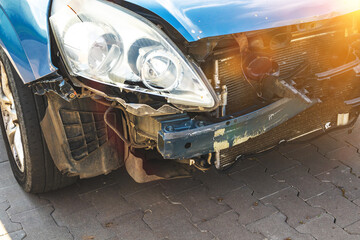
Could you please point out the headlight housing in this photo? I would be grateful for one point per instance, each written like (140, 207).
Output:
(107, 43)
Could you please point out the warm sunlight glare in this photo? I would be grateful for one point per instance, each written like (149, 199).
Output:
(3, 233)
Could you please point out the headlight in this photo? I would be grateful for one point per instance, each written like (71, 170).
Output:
(104, 42)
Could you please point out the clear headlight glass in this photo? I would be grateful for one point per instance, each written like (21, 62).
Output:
(104, 42)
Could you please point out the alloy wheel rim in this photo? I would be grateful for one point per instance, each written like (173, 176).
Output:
(10, 119)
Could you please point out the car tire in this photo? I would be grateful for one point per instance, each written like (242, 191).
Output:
(32, 167)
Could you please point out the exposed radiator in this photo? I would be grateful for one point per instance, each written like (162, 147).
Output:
(316, 50)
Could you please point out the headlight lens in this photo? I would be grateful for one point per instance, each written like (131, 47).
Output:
(107, 43)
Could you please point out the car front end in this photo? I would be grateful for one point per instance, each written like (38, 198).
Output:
(166, 87)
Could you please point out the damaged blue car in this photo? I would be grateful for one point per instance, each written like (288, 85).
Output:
(167, 87)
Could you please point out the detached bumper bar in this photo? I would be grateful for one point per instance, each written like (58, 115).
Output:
(219, 136)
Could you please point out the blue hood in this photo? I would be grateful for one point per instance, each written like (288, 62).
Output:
(196, 19)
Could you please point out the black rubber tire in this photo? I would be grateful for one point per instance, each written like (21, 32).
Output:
(41, 174)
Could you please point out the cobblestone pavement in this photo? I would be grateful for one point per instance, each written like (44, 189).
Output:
(299, 191)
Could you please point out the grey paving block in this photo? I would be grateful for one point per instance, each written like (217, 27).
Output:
(39, 225)
(259, 181)
(313, 160)
(343, 179)
(243, 164)
(349, 157)
(353, 138)
(6, 225)
(326, 144)
(198, 202)
(290, 147)
(294, 208)
(84, 225)
(353, 228)
(344, 211)
(65, 202)
(274, 227)
(226, 227)
(130, 226)
(3, 153)
(248, 207)
(172, 221)
(19, 200)
(6, 176)
(18, 235)
(275, 162)
(147, 197)
(176, 186)
(307, 184)
(108, 202)
(323, 228)
(127, 185)
(92, 184)
(219, 184)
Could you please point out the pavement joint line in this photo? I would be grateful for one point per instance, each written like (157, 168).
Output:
(64, 227)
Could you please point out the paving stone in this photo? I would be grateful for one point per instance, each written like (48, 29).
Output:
(3, 153)
(326, 144)
(323, 228)
(305, 183)
(219, 184)
(130, 226)
(84, 225)
(343, 179)
(6, 225)
(18, 235)
(243, 164)
(19, 200)
(353, 228)
(247, 206)
(147, 197)
(275, 162)
(294, 208)
(39, 225)
(344, 211)
(313, 160)
(65, 202)
(6, 176)
(349, 157)
(176, 186)
(199, 204)
(226, 227)
(274, 227)
(108, 202)
(172, 221)
(353, 138)
(291, 147)
(92, 184)
(259, 181)
(127, 185)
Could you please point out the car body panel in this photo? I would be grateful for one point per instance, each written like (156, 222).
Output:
(25, 37)
(196, 19)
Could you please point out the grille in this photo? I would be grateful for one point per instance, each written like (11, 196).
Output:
(85, 131)
(312, 49)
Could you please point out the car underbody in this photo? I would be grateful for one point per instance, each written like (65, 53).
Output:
(271, 86)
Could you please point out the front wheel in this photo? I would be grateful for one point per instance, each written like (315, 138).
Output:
(20, 116)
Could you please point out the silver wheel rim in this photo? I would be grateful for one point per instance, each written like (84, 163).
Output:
(10, 119)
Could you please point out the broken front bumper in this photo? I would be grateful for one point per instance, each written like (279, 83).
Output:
(201, 140)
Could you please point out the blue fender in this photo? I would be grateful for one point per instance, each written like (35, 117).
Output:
(24, 35)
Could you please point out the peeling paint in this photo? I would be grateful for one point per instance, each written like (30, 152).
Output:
(219, 132)
(240, 140)
(218, 146)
